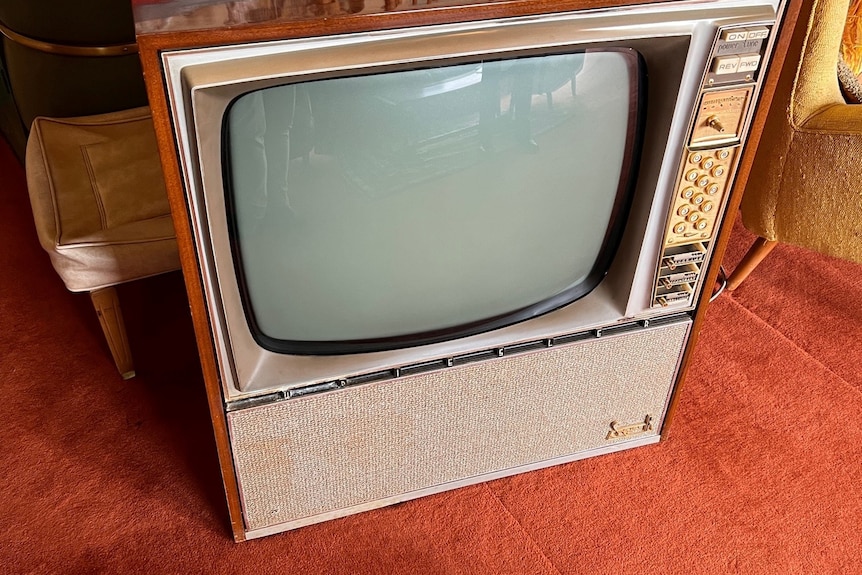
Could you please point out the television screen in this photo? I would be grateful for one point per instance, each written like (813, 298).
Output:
(381, 210)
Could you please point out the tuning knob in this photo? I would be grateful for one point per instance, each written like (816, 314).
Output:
(714, 123)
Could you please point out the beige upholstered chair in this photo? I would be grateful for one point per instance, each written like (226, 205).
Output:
(101, 210)
(806, 182)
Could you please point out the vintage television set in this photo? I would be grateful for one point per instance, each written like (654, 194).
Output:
(431, 246)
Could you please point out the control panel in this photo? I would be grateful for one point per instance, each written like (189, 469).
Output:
(711, 155)
(737, 55)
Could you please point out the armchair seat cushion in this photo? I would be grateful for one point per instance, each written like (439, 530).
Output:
(99, 199)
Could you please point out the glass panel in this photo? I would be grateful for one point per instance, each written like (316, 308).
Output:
(407, 202)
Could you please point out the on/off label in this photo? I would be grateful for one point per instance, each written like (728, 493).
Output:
(735, 35)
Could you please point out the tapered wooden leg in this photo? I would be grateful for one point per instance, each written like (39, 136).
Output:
(756, 254)
(107, 305)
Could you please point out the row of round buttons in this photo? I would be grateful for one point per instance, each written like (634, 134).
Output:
(697, 199)
(698, 157)
(699, 225)
(703, 180)
(687, 211)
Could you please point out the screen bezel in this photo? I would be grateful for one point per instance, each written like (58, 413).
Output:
(625, 187)
(202, 81)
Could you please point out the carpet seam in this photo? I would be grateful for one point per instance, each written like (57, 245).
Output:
(526, 534)
(798, 347)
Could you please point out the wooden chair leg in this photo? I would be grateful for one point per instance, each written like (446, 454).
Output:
(756, 254)
(107, 305)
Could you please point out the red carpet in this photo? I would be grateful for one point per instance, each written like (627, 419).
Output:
(760, 473)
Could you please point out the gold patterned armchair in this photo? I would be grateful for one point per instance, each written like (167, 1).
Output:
(805, 186)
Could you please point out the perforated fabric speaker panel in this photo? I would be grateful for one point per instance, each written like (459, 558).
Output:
(314, 458)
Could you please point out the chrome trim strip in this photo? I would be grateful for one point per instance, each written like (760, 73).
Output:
(110, 50)
(486, 355)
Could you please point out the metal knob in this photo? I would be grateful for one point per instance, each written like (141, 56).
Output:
(714, 123)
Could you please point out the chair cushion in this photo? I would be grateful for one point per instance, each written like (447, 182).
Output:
(99, 199)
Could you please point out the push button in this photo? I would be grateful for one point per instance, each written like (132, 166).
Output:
(734, 35)
(759, 33)
(725, 65)
(749, 63)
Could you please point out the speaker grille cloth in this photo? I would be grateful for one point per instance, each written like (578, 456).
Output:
(313, 455)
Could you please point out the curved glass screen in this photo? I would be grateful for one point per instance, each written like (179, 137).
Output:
(407, 207)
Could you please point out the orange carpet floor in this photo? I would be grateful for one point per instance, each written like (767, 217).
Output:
(761, 472)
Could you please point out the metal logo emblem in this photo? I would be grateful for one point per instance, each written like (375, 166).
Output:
(619, 431)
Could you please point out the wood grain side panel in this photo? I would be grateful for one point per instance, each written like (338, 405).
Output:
(194, 287)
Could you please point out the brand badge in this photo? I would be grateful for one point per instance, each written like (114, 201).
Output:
(619, 431)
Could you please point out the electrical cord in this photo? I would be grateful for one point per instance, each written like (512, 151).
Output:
(722, 284)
